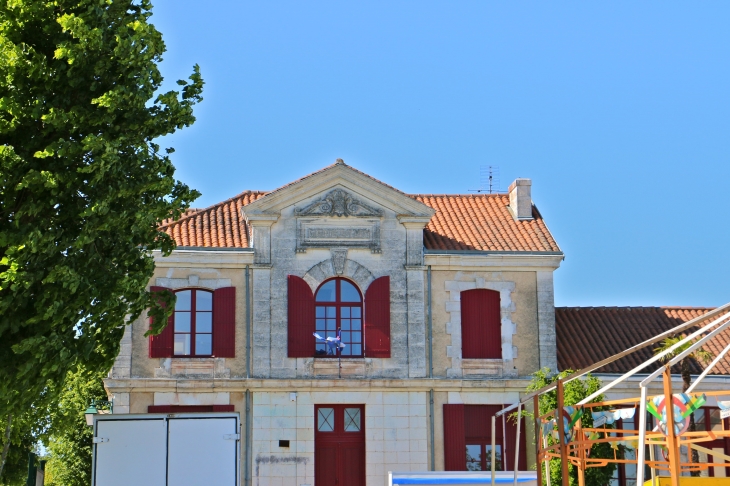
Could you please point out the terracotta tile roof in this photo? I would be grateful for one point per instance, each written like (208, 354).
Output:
(218, 226)
(479, 222)
(586, 335)
(482, 222)
(187, 212)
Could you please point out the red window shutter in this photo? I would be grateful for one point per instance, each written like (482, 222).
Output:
(511, 438)
(224, 322)
(454, 438)
(481, 325)
(161, 345)
(189, 408)
(300, 342)
(159, 409)
(377, 319)
(478, 422)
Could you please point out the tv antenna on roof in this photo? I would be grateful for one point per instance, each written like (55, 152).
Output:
(488, 179)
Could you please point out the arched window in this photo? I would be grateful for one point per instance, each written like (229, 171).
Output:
(193, 323)
(203, 325)
(338, 306)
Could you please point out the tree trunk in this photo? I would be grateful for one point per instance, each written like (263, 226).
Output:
(6, 446)
(686, 381)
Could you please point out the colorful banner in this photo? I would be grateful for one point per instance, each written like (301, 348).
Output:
(610, 416)
(684, 405)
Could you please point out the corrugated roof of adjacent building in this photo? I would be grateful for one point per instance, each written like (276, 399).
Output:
(586, 335)
(479, 222)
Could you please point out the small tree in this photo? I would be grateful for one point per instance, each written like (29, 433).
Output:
(573, 392)
(16, 445)
(69, 438)
(697, 356)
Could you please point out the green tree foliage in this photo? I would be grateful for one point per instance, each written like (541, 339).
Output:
(22, 441)
(69, 438)
(83, 187)
(574, 392)
(27, 427)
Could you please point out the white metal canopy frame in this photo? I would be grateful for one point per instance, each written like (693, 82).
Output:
(720, 321)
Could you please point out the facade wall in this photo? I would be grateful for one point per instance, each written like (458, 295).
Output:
(519, 321)
(395, 428)
(315, 265)
(395, 391)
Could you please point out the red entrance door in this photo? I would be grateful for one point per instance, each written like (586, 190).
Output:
(339, 445)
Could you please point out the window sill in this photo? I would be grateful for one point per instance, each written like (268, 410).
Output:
(330, 367)
(192, 367)
(482, 368)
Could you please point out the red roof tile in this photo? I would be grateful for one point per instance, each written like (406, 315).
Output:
(219, 226)
(462, 222)
(586, 335)
(482, 222)
(479, 222)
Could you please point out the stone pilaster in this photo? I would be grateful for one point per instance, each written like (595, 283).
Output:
(262, 321)
(416, 323)
(260, 225)
(414, 238)
(546, 320)
(123, 364)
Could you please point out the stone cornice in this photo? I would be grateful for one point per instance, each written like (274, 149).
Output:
(260, 219)
(512, 261)
(203, 258)
(416, 222)
(141, 385)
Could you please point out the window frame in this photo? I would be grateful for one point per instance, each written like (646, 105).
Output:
(193, 322)
(485, 451)
(339, 304)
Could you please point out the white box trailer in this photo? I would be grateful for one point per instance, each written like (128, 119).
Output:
(182, 449)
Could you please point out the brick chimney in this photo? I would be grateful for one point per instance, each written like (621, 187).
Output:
(520, 199)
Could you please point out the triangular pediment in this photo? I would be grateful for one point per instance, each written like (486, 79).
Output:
(338, 191)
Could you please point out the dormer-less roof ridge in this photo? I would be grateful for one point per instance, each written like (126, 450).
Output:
(460, 222)
(339, 162)
(493, 194)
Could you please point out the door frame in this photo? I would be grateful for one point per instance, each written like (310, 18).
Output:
(340, 436)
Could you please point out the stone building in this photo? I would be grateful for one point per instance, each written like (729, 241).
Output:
(444, 304)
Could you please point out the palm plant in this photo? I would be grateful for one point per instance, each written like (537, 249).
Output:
(699, 356)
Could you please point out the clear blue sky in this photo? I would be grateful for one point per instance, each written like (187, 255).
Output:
(618, 111)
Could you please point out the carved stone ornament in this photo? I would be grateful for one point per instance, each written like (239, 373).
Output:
(321, 232)
(339, 257)
(338, 203)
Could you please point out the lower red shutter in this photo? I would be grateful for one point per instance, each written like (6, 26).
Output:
(454, 438)
(377, 319)
(300, 341)
(161, 345)
(511, 438)
(189, 408)
(224, 322)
